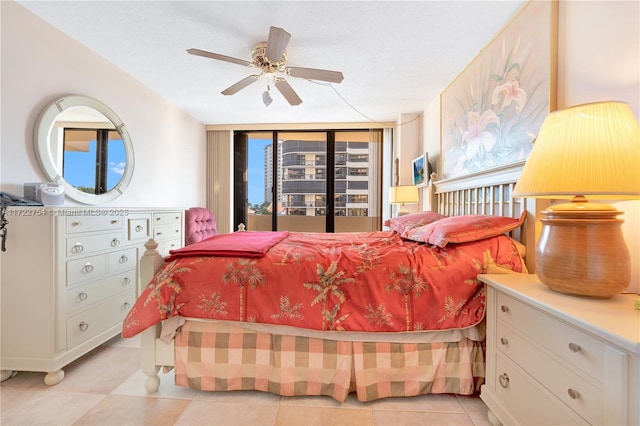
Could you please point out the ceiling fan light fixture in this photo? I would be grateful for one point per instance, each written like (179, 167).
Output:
(270, 58)
(266, 97)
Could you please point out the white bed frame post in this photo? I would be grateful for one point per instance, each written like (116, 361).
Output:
(150, 262)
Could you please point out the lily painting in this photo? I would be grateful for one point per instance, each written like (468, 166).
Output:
(493, 110)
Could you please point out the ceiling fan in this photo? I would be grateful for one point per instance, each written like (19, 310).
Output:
(270, 58)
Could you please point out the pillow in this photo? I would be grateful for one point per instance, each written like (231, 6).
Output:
(522, 249)
(463, 229)
(401, 224)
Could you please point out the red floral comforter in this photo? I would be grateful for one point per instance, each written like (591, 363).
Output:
(366, 281)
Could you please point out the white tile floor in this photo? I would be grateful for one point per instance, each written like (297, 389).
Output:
(106, 387)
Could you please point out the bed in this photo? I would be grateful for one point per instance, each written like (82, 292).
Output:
(390, 313)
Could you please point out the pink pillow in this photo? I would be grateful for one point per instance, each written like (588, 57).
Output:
(463, 229)
(401, 224)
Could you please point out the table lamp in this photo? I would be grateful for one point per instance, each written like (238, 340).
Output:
(403, 194)
(586, 151)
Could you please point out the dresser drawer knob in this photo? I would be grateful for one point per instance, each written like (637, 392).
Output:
(87, 269)
(82, 296)
(139, 228)
(123, 259)
(115, 221)
(126, 281)
(83, 326)
(504, 380)
(574, 347)
(115, 242)
(504, 341)
(77, 248)
(127, 305)
(504, 308)
(76, 223)
(573, 394)
(158, 233)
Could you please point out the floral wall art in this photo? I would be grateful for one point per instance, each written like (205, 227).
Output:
(493, 110)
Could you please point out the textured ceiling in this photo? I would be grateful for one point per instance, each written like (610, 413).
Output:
(396, 56)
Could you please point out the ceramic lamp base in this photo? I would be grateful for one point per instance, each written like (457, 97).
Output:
(583, 252)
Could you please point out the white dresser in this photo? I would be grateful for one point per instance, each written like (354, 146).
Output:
(559, 359)
(69, 277)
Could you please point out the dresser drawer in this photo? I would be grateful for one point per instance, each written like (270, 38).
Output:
(82, 244)
(574, 346)
(167, 232)
(167, 218)
(568, 385)
(91, 322)
(138, 228)
(121, 260)
(86, 269)
(83, 296)
(77, 224)
(165, 246)
(531, 403)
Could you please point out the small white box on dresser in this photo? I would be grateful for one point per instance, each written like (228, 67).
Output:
(559, 359)
(68, 279)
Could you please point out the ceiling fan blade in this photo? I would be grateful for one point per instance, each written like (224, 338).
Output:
(217, 56)
(315, 74)
(240, 85)
(287, 91)
(277, 43)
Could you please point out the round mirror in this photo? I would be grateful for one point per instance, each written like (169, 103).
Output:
(83, 145)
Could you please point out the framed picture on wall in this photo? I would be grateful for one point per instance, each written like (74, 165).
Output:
(420, 171)
(492, 111)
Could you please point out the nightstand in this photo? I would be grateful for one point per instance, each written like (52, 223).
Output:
(559, 359)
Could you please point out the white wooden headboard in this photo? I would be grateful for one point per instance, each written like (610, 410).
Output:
(488, 193)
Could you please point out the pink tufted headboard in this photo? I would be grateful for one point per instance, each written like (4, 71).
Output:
(199, 224)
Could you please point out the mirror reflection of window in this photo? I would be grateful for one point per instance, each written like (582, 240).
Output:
(93, 159)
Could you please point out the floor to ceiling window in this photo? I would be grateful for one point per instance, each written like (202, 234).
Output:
(312, 181)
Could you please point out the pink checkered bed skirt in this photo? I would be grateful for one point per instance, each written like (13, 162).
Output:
(213, 356)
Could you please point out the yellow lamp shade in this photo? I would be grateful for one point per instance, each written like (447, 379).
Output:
(403, 194)
(591, 150)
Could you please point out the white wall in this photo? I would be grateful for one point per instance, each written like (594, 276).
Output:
(407, 137)
(598, 59)
(40, 64)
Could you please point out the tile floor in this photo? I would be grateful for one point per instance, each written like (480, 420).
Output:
(106, 387)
